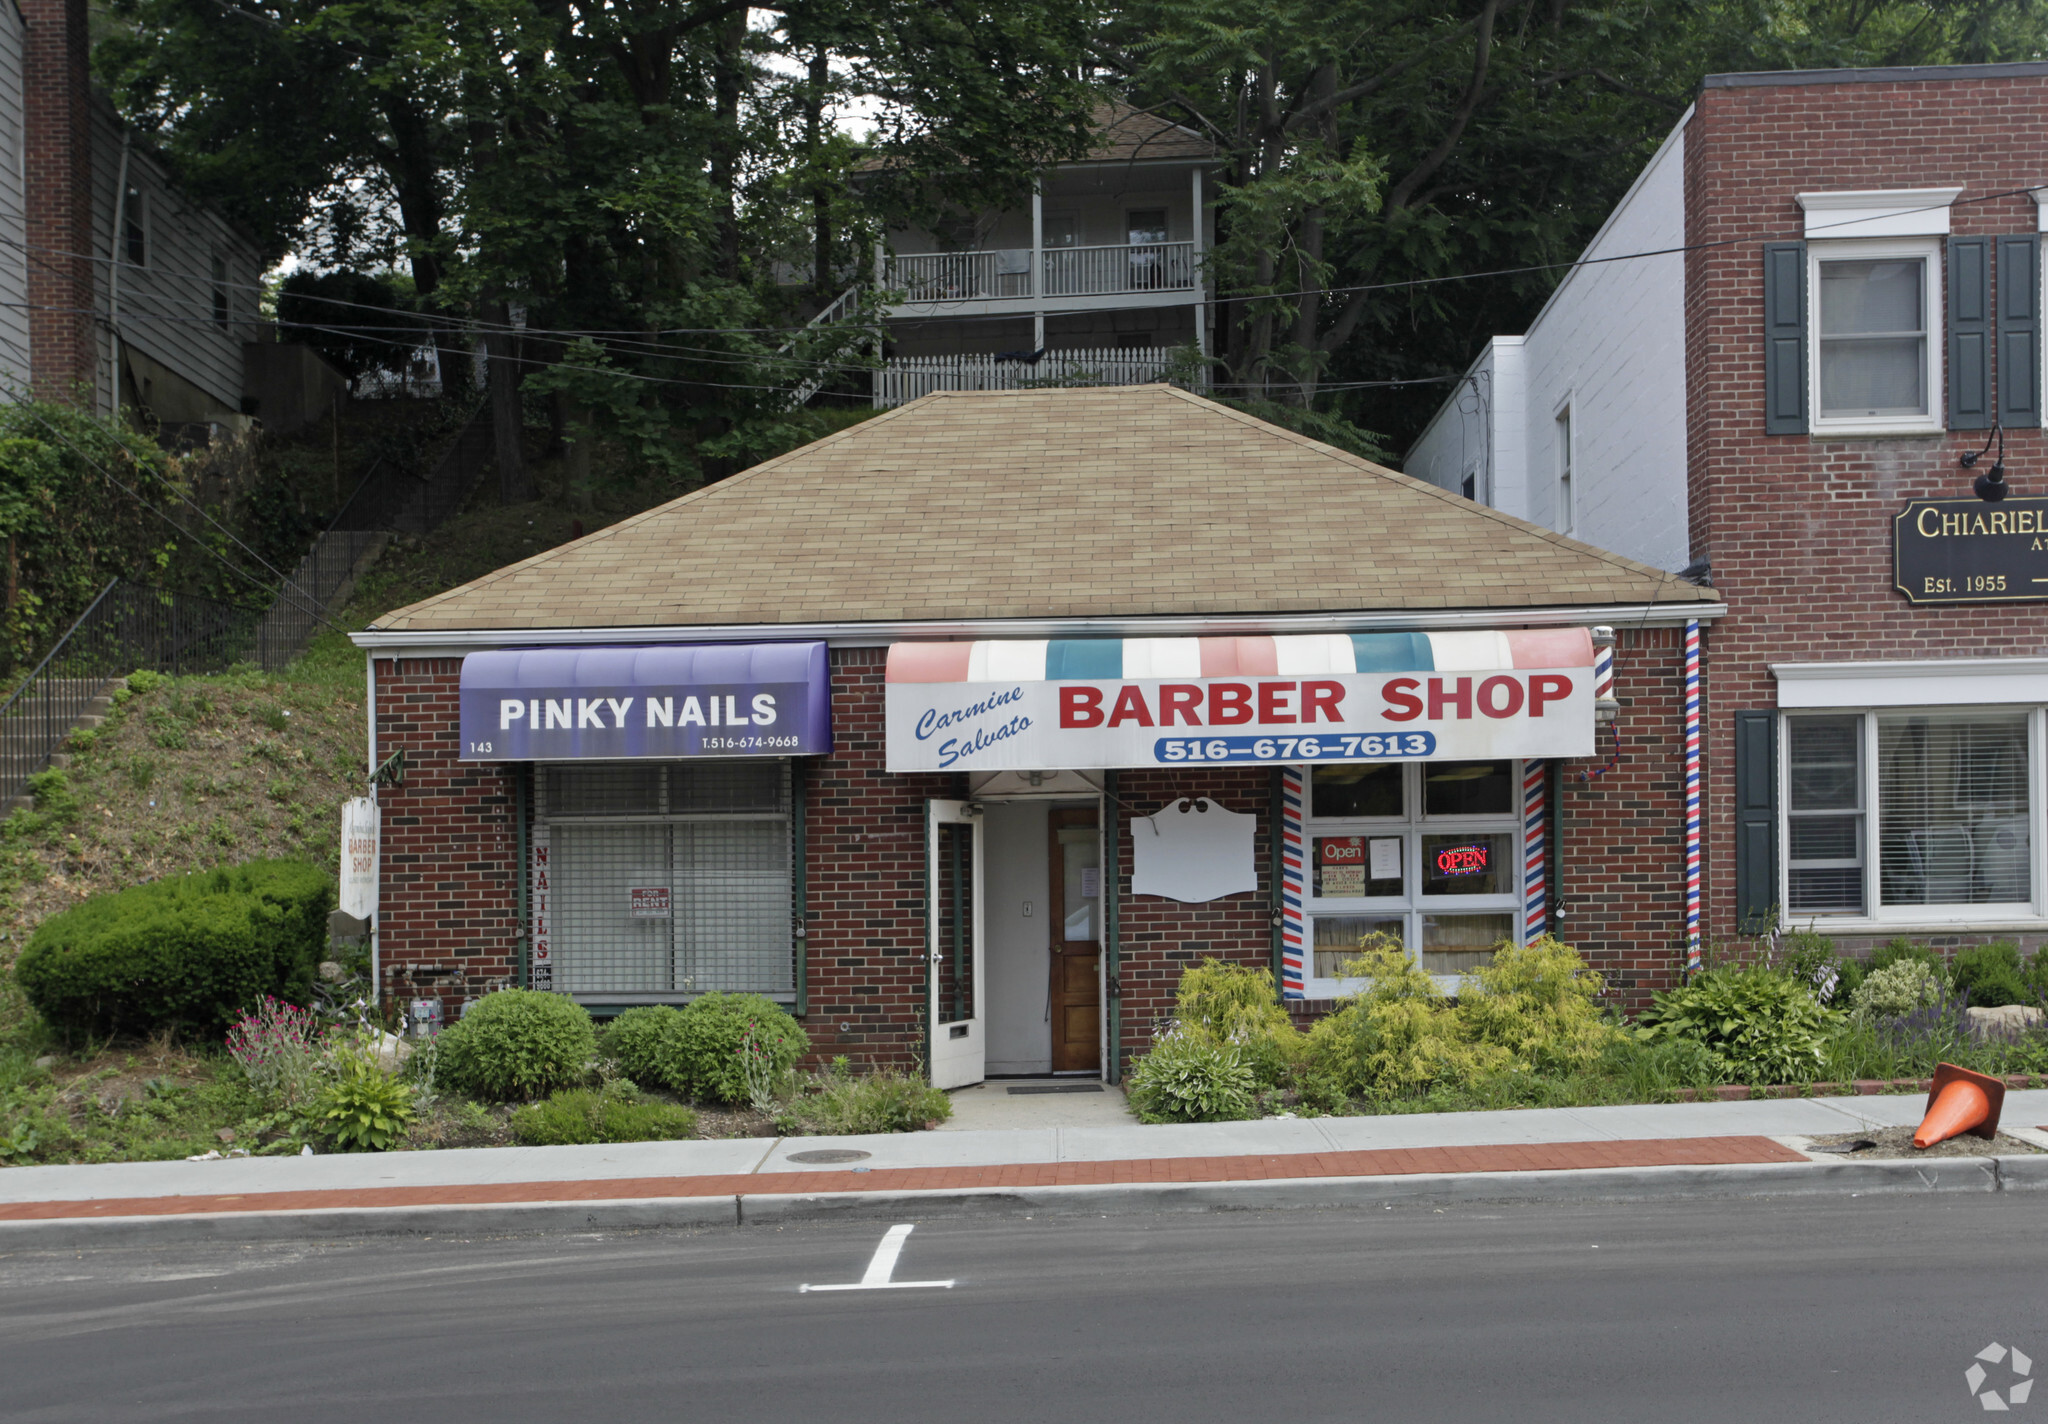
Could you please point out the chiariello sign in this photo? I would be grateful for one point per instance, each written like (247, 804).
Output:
(1137, 702)
(566, 704)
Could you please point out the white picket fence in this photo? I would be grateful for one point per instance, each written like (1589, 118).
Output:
(905, 378)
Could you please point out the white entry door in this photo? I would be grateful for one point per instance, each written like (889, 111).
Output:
(959, 1042)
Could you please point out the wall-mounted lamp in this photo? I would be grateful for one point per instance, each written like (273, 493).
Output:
(1991, 484)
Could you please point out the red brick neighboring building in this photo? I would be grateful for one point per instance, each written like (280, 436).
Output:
(1854, 314)
(1046, 696)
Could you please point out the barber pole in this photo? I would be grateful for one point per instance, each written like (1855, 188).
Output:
(1535, 892)
(1692, 797)
(1293, 950)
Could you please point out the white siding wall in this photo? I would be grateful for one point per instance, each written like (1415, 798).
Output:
(1611, 343)
(167, 303)
(13, 210)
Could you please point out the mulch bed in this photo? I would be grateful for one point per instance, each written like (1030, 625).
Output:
(1888, 1142)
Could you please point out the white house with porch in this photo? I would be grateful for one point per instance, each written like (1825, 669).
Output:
(1099, 281)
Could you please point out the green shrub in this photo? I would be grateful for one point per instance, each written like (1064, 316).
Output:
(1189, 1077)
(642, 1042)
(1536, 1001)
(1896, 990)
(190, 952)
(143, 681)
(1236, 1003)
(1400, 1036)
(518, 1043)
(361, 1109)
(1761, 1025)
(883, 1101)
(1993, 975)
(1809, 958)
(1892, 951)
(579, 1115)
(703, 1060)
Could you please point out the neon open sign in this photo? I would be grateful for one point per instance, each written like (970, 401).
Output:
(1462, 860)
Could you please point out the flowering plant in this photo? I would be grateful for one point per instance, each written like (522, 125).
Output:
(280, 1048)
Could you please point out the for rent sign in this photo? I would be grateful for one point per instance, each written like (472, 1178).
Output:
(1050, 726)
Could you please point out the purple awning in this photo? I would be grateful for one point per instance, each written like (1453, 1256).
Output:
(708, 700)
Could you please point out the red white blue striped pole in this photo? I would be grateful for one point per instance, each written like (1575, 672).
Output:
(1293, 889)
(1535, 896)
(1692, 796)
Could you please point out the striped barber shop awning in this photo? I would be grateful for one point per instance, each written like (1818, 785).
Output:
(1088, 703)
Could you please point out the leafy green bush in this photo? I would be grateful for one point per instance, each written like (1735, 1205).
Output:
(1892, 951)
(361, 1109)
(1761, 1025)
(190, 952)
(1809, 958)
(883, 1101)
(641, 1042)
(696, 1052)
(1895, 990)
(1994, 975)
(1189, 1077)
(579, 1115)
(518, 1043)
(1536, 1001)
(1400, 1035)
(1237, 1004)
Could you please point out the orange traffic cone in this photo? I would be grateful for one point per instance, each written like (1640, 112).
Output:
(1958, 1102)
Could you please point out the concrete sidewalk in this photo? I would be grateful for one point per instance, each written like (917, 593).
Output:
(1756, 1147)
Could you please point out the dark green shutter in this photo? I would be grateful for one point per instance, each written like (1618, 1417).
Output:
(1756, 820)
(1784, 338)
(1969, 333)
(2019, 331)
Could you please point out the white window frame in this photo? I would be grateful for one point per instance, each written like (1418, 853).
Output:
(1876, 917)
(1933, 313)
(1564, 421)
(1409, 907)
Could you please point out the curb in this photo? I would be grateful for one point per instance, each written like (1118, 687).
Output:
(1786, 1179)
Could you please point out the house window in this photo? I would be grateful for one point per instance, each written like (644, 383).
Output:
(1146, 229)
(1058, 231)
(1891, 814)
(1424, 853)
(220, 291)
(135, 228)
(1876, 368)
(1564, 471)
(670, 878)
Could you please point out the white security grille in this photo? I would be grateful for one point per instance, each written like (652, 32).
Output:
(670, 878)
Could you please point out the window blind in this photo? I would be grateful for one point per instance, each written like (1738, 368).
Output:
(1953, 809)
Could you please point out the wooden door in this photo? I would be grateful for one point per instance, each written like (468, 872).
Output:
(1075, 895)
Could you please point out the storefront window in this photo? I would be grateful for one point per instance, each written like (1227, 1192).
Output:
(1423, 853)
(670, 878)
(1945, 797)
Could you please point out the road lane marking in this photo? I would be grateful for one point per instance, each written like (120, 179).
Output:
(883, 1267)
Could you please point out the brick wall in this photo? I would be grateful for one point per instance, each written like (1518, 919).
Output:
(57, 140)
(449, 901)
(1799, 527)
(1620, 823)
(1159, 938)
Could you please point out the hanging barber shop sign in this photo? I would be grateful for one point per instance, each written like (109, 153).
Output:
(1265, 700)
(1971, 551)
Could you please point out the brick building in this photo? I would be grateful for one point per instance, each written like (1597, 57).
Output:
(966, 730)
(1817, 306)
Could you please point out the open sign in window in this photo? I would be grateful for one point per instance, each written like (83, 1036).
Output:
(1356, 866)
(1469, 864)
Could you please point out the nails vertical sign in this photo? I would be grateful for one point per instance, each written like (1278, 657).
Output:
(541, 971)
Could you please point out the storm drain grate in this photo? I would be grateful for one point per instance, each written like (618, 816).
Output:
(1058, 1088)
(830, 1154)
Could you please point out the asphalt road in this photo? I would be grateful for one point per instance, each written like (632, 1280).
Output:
(1854, 1309)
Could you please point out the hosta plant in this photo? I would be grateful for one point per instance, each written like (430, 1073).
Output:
(361, 1109)
(1761, 1025)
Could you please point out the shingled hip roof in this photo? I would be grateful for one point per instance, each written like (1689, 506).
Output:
(1121, 502)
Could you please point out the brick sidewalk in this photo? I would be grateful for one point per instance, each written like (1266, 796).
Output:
(1541, 1157)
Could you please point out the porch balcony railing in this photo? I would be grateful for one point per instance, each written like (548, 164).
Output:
(905, 378)
(1066, 272)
